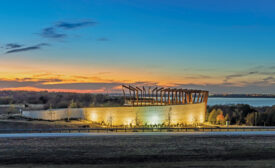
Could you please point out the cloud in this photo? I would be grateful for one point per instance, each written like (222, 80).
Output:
(259, 71)
(40, 80)
(35, 47)
(229, 77)
(102, 39)
(198, 77)
(13, 45)
(13, 83)
(53, 31)
(46, 84)
(253, 72)
(269, 79)
(74, 25)
(42, 84)
(249, 88)
(50, 32)
(115, 87)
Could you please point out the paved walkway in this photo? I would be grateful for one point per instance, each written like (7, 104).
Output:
(46, 135)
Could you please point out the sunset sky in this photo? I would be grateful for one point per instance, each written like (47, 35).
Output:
(97, 45)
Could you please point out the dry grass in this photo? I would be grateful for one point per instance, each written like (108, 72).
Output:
(140, 151)
(36, 124)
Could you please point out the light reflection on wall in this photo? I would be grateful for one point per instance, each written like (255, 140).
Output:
(190, 118)
(150, 115)
(154, 120)
(128, 121)
(93, 116)
(201, 118)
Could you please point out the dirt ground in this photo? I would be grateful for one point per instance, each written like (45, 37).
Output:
(36, 124)
(176, 150)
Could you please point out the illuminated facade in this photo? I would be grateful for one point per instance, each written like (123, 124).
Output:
(148, 115)
(158, 106)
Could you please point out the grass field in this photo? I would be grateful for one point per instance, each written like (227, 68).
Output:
(36, 124)
(171, 150)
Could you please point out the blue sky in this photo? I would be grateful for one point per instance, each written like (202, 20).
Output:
(182, 43)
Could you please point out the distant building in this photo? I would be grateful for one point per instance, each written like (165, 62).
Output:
(143, 106)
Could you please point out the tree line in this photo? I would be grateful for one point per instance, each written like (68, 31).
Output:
(59, 99)
(241, 114)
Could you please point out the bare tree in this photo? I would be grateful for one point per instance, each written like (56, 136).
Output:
(69, 111)
(110, 120)
(86, 114)
(137, 120)
(169, 116)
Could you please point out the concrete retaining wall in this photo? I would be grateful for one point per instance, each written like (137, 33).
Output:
(175, 114)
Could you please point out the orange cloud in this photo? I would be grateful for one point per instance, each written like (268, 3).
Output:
(34, 89)
(32, 75)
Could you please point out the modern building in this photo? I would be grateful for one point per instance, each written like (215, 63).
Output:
(143, 106)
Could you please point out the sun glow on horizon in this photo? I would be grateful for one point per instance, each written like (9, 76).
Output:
(34, 89)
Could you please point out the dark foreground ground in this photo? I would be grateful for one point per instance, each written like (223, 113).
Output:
(140, 150)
